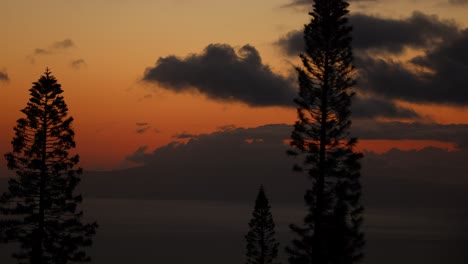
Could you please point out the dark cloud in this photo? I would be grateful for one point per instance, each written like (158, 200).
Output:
(145, 97)
(442, 173)
(64, 44)
(435, 77)
(222, 74)
(4, 76)
(456, 133)
(271, 134)
(226, 127)
(417, 31)
(218, 165)
(77, 64)
(41, 52)
(292, 43)
(371, 107)
(142, 127)
(184, 136)
(445, 83)
(294, 3)
(276, 133)
(299, 3)
(138, 154)
(142, 130)
(386, 35)
(212, 165)
(458, 2)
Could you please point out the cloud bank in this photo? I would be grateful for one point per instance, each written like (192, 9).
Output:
(222, 164)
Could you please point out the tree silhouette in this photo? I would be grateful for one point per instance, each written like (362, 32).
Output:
(262, 247)
(322, 142)
(39, 210)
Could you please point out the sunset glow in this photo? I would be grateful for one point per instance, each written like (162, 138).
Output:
(183, 108)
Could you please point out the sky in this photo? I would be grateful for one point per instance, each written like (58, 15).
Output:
(120, 62)
(209, 85)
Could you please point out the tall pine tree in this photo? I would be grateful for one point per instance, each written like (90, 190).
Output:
(262, 247)
(322, 142)
(40, 210)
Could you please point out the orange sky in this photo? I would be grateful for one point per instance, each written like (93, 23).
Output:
(118, 39)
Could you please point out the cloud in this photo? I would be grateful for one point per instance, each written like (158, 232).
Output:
(441, 173)
(138, 154)
(435, 77)
(390, 35)
(142, 130)
(41, 52)
(4, 76)
(294, 3)
(299, 3)
(443, 82)
(184, 136)
(458, 2)
(142, 127)
(274, 134)
(52, 49)
(145, 97)
(224, 75)
(456, 133)
(212, 165)
(386, 35)
(226, 127)
(77, 64)
(64, 44)
(222, 164)
(372, 107)
(221, 73)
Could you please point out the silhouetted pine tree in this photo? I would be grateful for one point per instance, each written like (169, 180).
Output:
(262, 247)
(331, 231)
(39, 210)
